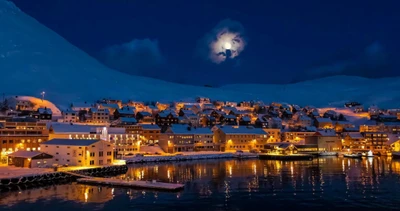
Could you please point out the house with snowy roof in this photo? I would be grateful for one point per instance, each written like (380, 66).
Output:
(208, 106)
(125, 121)
(275, 122)
(245, 120)
(228, 120)
(323, 123)
(304, 121)
(111, 107)
(99, 116)
(126, 111)
(79, 106)
(144, 117)
(166, 118)
(69, 116)
(340, 126)
(261, 122)
(43, 114)
(207, 121)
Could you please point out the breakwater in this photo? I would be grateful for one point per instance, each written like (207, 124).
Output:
(46, 178)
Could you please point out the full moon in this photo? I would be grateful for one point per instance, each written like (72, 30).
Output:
(227, 45)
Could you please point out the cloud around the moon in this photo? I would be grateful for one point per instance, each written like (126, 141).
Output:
(225, 41)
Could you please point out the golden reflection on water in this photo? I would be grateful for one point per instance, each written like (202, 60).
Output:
(227, 177)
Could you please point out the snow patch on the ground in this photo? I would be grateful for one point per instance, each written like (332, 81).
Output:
(38, 103)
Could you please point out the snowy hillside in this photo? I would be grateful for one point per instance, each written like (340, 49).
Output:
(331, 91)
(34, 59)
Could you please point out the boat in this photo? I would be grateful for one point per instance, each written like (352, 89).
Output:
(352, 155)
(368, 154)
(326, 153)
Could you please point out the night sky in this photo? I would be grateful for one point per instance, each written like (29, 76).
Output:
(286, 41)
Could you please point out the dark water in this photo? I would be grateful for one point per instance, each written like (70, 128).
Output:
(322, 184)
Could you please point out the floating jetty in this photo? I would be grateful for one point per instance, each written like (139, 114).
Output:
(285, 157)
(133, 184)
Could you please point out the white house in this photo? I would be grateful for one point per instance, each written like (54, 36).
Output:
(70, 116)
(79, 152)
(304, 121)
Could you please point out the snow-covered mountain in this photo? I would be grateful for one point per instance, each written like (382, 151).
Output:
(33, 59)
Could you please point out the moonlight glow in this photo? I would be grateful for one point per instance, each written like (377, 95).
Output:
(226, 40)
(228, 45)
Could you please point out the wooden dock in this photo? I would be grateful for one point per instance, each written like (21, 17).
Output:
(133, 184)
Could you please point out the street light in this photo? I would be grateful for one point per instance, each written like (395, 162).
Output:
(43, 93)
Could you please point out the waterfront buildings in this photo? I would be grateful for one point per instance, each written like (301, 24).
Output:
(79, 152)
(239, 137)
(21, 134)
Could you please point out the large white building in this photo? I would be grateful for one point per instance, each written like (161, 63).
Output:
(79, 152)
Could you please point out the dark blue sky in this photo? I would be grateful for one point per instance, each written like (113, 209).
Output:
(286, 40)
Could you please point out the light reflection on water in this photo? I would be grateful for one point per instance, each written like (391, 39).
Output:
(327, 183)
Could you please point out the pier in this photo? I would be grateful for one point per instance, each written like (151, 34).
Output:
(132, 184)
(285, 157)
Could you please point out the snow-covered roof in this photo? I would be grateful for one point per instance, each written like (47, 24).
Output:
(304, 118)
(186, 129)
(127, 111)
(165, 114)
(187, 112)
(326, 132)
(128, 119)
(25, 154)
(242, 130)
(113, 130)
(70, 142)
(311, 128)
(276, 119)
(323, 120)
(355, 135)
(69, 111)
(150, 127)
(145, 113)
(66, 128)
(288, 112)
(103, 110)
(191, 116)
(229, 116)
(391, 123)
(45, 111)
(111, 105)
(246, 119)
(342, 122)
(152, 107)
(370, 122)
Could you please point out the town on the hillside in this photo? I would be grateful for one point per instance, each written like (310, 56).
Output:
(97, 133)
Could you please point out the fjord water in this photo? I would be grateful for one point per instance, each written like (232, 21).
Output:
(324, 183)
